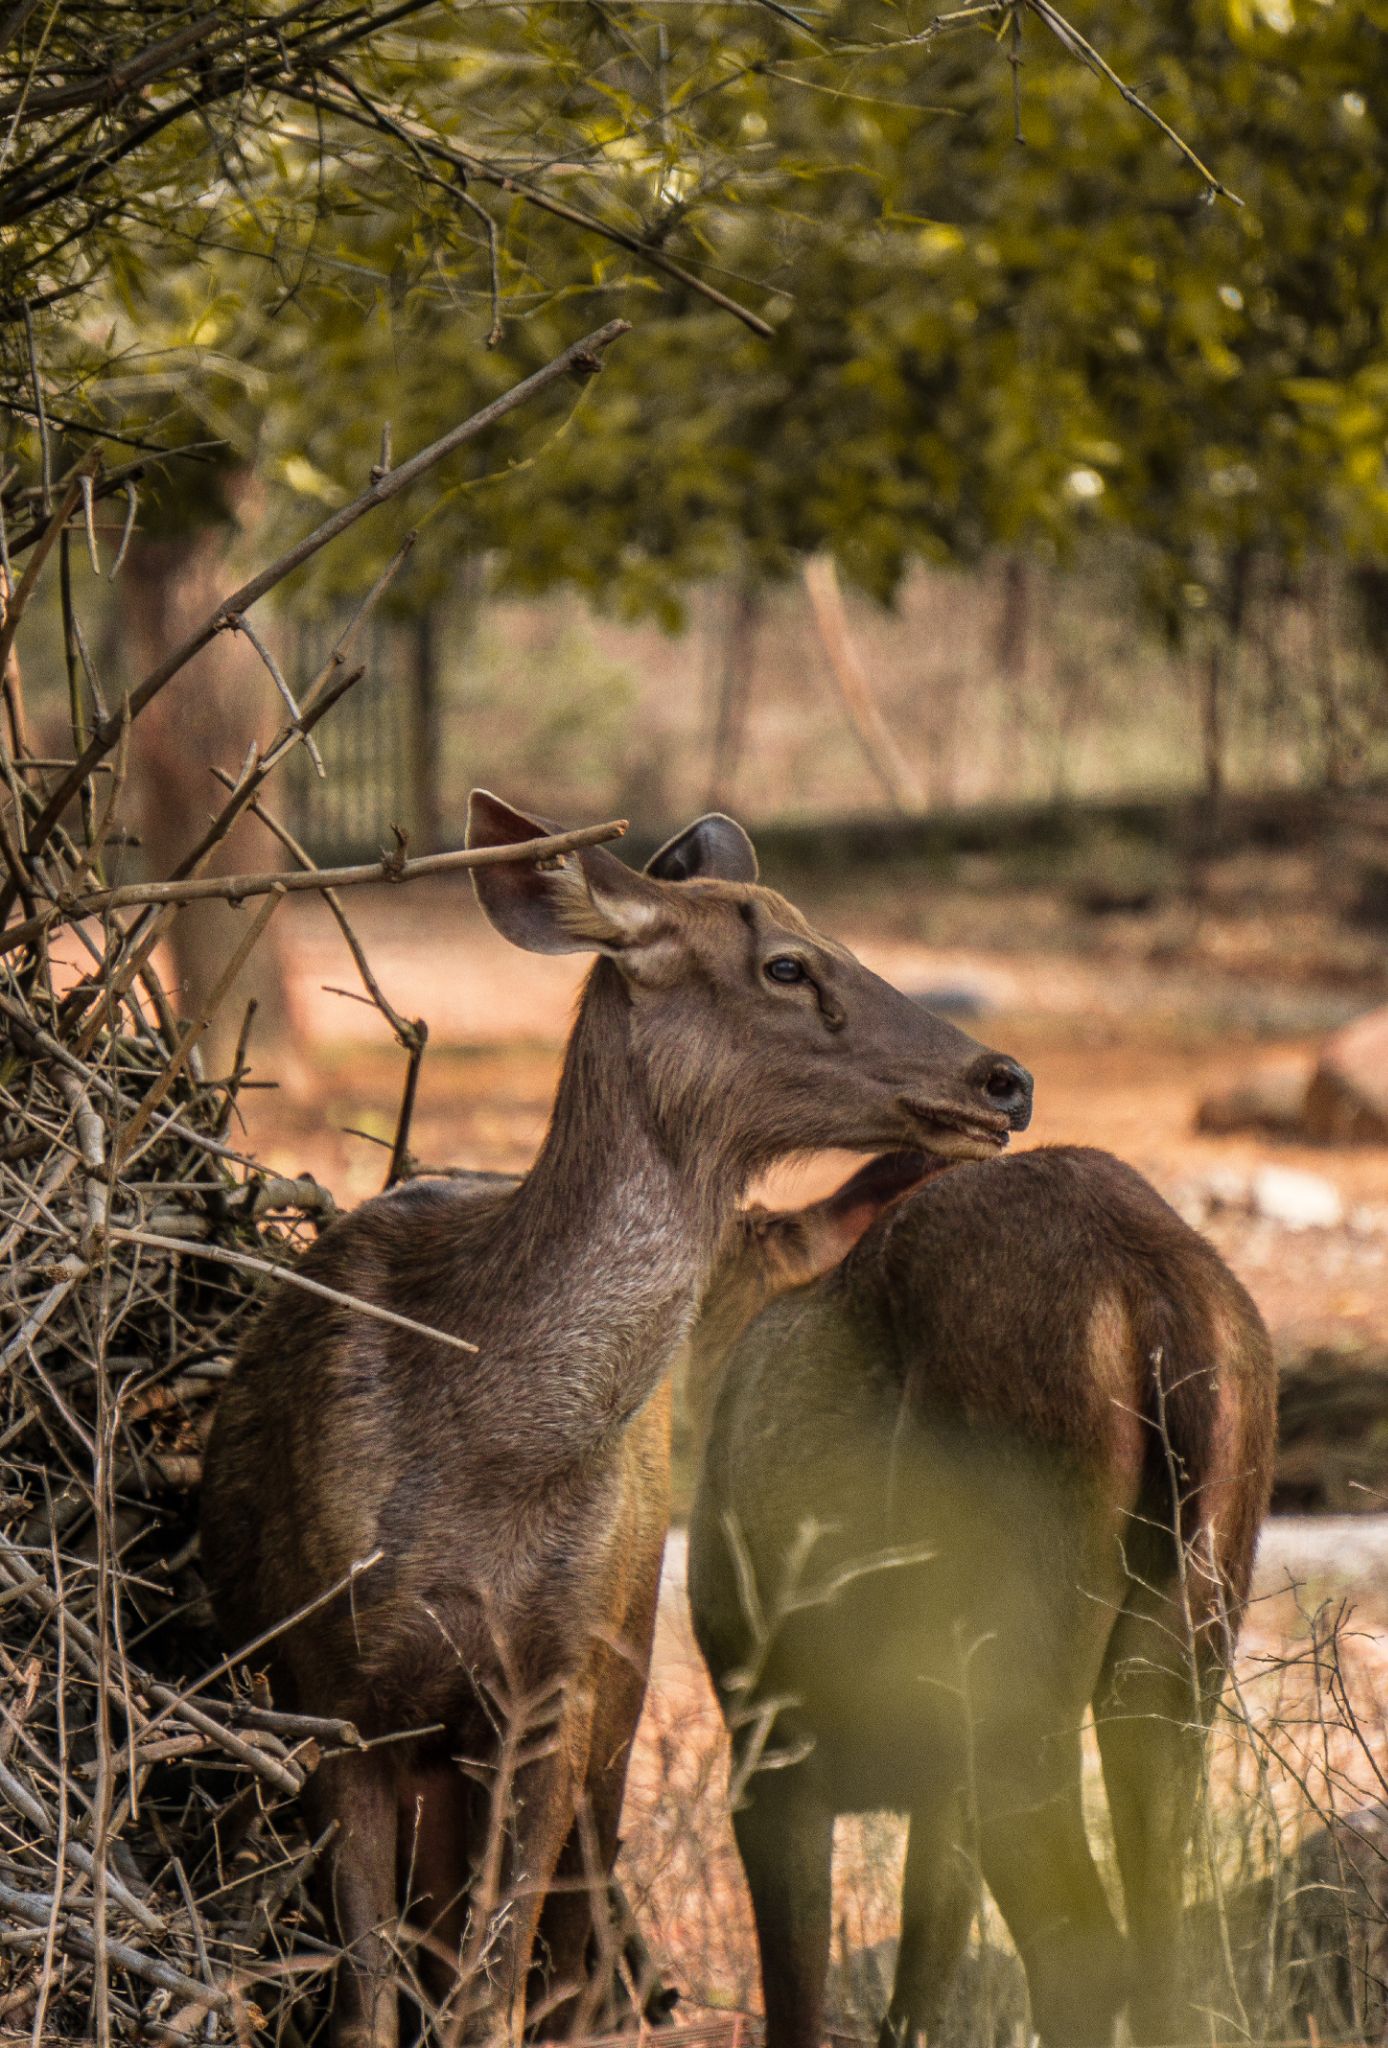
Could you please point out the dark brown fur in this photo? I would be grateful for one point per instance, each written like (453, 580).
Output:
(1031, 1418)
(517, 1496)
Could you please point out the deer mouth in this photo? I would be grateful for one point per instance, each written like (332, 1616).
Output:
(958, 1133)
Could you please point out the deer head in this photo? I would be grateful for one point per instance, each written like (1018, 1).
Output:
(755, 1035)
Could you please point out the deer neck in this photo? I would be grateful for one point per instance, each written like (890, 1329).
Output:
(611, 1236)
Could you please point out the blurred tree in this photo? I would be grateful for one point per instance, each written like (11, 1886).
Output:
(302, 228)
(989, 345)
(219, 223)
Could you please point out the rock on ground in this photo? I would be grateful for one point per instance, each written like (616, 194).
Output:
(1347, 1101)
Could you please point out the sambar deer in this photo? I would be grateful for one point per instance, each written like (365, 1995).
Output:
(1005, 1462)
(508, 1493)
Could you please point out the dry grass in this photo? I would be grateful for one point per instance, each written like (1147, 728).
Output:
(1289, 1879)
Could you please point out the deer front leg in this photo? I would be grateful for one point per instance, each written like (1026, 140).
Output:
(785, 1837)
(939, 1899)
(356, 1887)
(578, 1972)
(538, 1798)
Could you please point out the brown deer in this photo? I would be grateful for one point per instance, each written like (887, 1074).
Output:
(1005, 1462)
(512, 1495)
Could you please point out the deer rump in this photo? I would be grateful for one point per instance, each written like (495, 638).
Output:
(1008, 1459)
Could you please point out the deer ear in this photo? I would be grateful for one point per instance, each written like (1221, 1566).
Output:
(580, 902)
(714, 849)
(833, 1226)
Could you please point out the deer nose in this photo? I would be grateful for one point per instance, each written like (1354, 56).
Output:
(1005, 1086)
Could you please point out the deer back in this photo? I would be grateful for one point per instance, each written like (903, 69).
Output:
(1030, 1372)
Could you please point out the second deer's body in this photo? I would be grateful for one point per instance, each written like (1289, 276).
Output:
(1007, 1460)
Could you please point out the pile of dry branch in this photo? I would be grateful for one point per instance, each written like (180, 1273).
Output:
(147, 1863)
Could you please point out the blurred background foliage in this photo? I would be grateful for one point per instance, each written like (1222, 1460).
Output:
(979, 341)
(908, 288)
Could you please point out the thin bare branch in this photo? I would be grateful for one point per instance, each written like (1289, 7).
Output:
(581, 359)
(391, 867)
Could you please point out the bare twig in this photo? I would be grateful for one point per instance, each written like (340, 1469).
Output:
(1070, 38)
(248, 1263)
(391, 867)
(580, 358)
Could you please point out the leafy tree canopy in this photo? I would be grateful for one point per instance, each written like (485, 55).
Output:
(283, 231)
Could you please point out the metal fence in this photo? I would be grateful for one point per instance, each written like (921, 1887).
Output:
(378, 747)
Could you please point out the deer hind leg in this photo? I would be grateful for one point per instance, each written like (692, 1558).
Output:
(526, 1836)
(785, 1837)
(356, 1886)
(1037, 1861)
(939, 1900)
(579, 1954)
(442, 1815)
(1152, 1710)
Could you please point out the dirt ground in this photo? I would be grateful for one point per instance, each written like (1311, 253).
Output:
(1122, 1047)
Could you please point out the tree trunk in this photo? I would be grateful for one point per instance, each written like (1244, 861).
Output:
(207, 717)
(1012, 639)
(734, 690)
(1212, 722)
(424, 744)
(883, 755)
(1326, 678)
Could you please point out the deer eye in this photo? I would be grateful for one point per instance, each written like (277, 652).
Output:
(785, 969)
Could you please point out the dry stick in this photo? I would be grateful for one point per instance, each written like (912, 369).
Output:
(581, 358)
(113, 480)
(326, 689)
(27, 1802)
(30, 1587)
(24, 590)
(45, 443)
(90, 857)
(35, 1036)
(36, 1908)
(347, 638)
(1070, 38)
(195, 1029)
(345, 1584)
(71, 662)
(199, 1939)
(398, 1024)
(411, 1034)
(222, 1255)
(400, 1147)
(869, 726)
(103, 1503)
(326, 1729)
(37, 1317)
(11, 684)
(260, 1760)
(10, 855)
(41, 183)
(391, 867)
(91, 1142)
(50, 1940)
(243, 625)
(145, 934)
